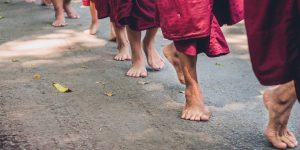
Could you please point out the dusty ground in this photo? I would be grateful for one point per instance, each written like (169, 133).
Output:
(33, 115)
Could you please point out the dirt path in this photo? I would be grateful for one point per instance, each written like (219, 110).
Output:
(33, 115)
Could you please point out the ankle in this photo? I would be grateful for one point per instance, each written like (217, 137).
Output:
(122, 45)
(284, 95)
(59, 11)
(191, 90)
(94, 22)
(148, 42)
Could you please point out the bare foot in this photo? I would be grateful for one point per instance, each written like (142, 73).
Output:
(194, 109)
(71, 13)
(123, 54)
(59, 20)
(137, 70)
(172, 56)
(154, 59)
(279, 108)
(94, 28)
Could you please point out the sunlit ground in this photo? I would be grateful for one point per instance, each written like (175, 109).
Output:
(49, 45)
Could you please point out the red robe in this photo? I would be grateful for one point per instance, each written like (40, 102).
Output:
(137, 14)
(86, 2)
(273, 29)
(107, 8)
(185, 21)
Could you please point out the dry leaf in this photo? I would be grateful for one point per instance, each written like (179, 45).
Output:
(109, 93)
(14, 60)
(37, 76)
(218, 64)
(143, 82)
(61, 88)
(83, 66)
(100, 82)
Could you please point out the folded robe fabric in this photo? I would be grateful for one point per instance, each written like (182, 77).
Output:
(273, 30)
(182, 20)
(137, 14)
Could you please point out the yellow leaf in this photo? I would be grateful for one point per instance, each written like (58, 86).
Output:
(14, 60)
(61, 88)
(83, 66)
(109, 93)
(37, 76)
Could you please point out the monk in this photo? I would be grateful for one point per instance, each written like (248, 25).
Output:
(194, 29)
(138, 16)
(107, 8)
(274, 42)
(60, 7)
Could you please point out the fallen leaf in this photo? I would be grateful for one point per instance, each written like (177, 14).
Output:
(109, 93)
(14, 60)
(83, 66)
(183, 92)
(37, 76)
(143, 82)
(218, 64)
(1, 17)
(33, 65)
(100, 82)
(61, 88)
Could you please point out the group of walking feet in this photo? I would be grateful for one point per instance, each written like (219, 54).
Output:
(194, 26)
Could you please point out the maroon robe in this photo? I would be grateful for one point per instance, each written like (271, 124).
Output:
(107, 8)
(86, 2)
(193, 26)
(273, 29)
(137, 14)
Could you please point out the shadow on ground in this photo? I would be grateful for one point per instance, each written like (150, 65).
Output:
(35, 116)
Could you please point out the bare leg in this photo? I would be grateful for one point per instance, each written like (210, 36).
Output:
(59, 14)
(172, 55)
(138, 68)
(46, 2)
(195, 108)
(154, 59)
(94, 24)
(123, 44)
(113, 33)
(70, 10)
(279, 101)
